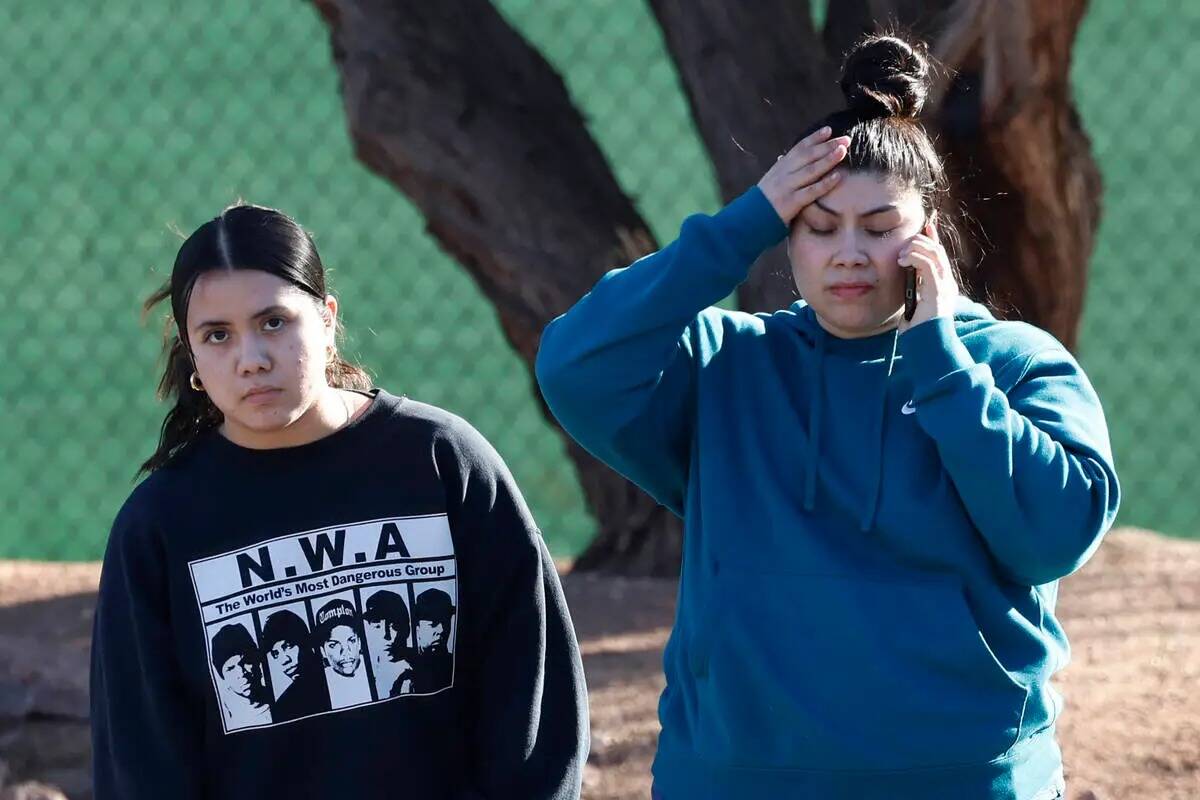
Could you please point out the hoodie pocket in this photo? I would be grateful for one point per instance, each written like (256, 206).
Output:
(819, 672)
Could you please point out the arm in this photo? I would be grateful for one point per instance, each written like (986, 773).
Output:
(146, 740)
(1034, 467)
(618, 369)
(527, 698)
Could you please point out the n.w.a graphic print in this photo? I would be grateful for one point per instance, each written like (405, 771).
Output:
(326, 620)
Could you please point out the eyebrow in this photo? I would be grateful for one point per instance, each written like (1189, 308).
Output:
(213, 323)
(871, 213)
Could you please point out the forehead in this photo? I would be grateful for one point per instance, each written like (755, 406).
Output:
(238, 292)
(861, 191)
(341, 632)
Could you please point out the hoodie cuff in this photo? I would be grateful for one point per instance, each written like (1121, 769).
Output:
(932, 350)
(751, 223)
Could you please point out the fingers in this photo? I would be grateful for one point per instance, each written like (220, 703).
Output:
(811, 148)
(823, 159)
(932, 232)
(931, 262)
(925, 265)
(806, 194)
(817, 136)
(804, 173)
(931, 247)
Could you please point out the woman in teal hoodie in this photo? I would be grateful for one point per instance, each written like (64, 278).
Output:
(877, 509)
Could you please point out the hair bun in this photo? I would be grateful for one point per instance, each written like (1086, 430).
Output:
(885, 76)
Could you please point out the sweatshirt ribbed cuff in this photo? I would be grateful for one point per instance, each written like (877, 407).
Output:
(751, 222)
(932, 350)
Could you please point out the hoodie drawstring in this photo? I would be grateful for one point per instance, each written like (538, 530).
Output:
(872, 508)
(817, 404)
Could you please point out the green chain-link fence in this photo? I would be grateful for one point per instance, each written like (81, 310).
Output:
(123, 120)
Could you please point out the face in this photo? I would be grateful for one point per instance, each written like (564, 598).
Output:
(343, 650)
(431, 634)
(239, 674)
(844, 251)
(286, 656)
(383, 631)
(260, 347)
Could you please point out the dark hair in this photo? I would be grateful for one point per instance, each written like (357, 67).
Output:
(387, 606)
(232, 640)
(242, 237)
(434, 605)
(285, 626)
(885, 80)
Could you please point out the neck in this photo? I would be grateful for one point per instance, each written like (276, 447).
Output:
(891, 323)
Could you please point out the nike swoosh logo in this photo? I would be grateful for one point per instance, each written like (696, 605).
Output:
(909, 408)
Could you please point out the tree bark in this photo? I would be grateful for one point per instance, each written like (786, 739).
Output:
(1025, 170)
(452, 106)
(755, 74)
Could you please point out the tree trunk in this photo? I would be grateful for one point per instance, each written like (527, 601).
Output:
(757, 74)
(451, 105)
(447, 102)
(1025, 168)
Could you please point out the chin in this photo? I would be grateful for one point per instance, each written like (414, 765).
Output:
(267, 420)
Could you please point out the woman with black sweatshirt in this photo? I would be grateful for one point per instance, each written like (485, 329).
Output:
(237, 652)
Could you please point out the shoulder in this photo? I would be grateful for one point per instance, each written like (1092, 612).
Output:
(148, 505)
(450, 437)
(1010, 345)
(717, 326)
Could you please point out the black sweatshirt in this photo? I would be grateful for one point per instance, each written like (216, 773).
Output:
(371, 615)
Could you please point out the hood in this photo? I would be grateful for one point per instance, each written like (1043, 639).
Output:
(871, 352)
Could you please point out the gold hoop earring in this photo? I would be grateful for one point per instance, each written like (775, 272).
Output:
(194, 382)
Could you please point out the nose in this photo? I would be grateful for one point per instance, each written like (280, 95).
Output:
(850, 251)
(253, 357)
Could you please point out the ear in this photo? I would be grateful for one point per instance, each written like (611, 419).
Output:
(331, 321)
(930, 229)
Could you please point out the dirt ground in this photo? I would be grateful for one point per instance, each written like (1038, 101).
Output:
(1131, 729)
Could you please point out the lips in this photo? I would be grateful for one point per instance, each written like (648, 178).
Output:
(849, 290)
(261, 394)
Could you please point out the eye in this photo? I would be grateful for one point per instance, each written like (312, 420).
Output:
(216, 336)
(882, 234)
(821, 231)
(274, 323)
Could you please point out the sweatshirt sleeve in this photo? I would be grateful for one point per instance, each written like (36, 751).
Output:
(618, 369)
(527, 699)
(146, 737)
(1033, 466)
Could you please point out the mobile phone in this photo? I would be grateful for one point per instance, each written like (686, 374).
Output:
(910, 293)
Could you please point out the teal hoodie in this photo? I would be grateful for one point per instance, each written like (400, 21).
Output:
(874, 528)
